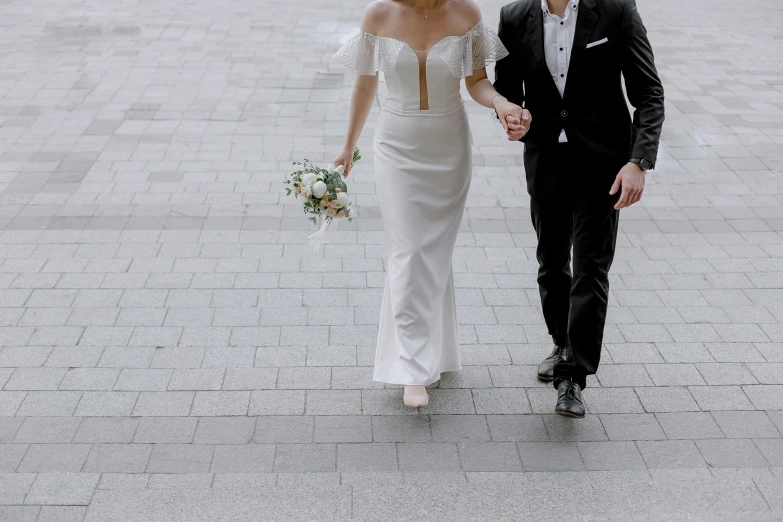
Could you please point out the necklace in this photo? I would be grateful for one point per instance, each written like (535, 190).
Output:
(422, 16)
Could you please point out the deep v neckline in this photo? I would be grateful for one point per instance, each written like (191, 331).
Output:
(423, 59)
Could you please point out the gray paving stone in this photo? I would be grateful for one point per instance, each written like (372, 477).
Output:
(118, 458)
(73, 489)
(106, 429)
(732, 453)
(14, 487)
(501, 401)
(427, 456)
(366, 457)
(550, 456)
(277, 402)
(689, 425)
(772, 449)
(456, 428)
(180, 481)
(615, 455)
(342, 429)
(721, 398)
(293, 458)
(62, 514)
(180, 458)
(9, 426)
(107, 404)
(512, 428)
(224, 430)
(667, 399)
(489, 456)
(165, 430)
(284, 429)
(250, 378)
(401, 428)
(563, 429)
(10, 456)
(93, 379)
(333, 402)
(220, 403)
(47, 404)
(253, 458)
(641, 426)
(668, 454)
(746, 424)
(163, 404)
(765, 397)
(47, 430)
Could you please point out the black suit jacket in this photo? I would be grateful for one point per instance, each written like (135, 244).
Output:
(593, 110)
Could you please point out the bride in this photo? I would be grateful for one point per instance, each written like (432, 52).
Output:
(422, 151)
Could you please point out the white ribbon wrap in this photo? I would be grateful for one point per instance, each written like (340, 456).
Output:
(326, 227)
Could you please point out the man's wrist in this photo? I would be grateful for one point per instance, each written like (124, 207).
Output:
(643, 163)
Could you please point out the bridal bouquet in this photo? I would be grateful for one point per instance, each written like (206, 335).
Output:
(324, 196)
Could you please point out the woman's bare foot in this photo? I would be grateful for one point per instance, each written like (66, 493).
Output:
(415, 397)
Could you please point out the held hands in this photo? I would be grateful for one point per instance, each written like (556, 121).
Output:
(345, 158)
(631, 178)
(515, 120)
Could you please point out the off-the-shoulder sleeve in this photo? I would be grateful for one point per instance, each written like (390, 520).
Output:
(361, 54)
(482, 46)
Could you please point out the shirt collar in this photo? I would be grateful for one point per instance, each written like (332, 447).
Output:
(573, 5)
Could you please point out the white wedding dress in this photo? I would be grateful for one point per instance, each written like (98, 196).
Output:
(423, 167)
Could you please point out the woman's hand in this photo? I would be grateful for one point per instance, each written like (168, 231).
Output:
(345, 158)
(515, 120)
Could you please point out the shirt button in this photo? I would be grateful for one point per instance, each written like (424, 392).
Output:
(561, 48)
(561, 23)
(564, 114)
(562, 75)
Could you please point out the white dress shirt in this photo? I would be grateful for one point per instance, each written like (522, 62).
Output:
(558, 41)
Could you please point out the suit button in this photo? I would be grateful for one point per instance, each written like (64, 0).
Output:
(564, 114)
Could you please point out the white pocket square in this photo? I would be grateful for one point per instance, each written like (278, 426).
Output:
(599, 42)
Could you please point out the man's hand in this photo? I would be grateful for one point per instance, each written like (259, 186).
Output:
(631, 178)
(517, 127)
(515, 120)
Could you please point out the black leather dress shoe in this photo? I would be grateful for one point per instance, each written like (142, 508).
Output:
(569, 400)
(546, 368)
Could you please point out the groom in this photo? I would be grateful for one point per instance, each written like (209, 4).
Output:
(585, 158)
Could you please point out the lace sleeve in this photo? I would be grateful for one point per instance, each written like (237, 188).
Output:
(482, 47)
(361, 54)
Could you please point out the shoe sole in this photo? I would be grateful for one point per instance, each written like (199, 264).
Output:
(569, 414)
(545, 379)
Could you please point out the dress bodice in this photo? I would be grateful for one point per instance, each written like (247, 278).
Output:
(449, 60)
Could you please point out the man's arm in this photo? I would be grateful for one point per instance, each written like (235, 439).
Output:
(644, 88)
(508, 71)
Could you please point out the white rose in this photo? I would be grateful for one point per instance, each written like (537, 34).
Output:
(319, 189)
(342, 199)
(309, 178)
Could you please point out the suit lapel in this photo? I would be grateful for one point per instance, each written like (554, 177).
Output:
(585, 21)
(535, 42)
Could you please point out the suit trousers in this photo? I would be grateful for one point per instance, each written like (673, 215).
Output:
(581, 216)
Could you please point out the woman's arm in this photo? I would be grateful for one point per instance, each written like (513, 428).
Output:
(364, 89)
(515, 119)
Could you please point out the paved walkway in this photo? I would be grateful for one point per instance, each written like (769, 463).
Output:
(171, 353)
